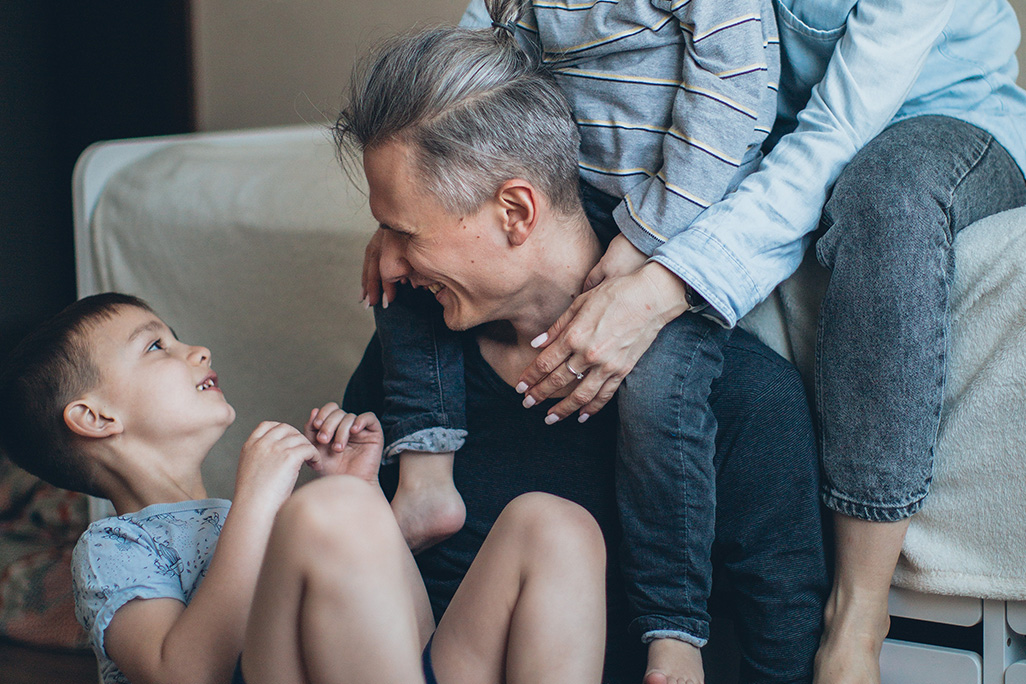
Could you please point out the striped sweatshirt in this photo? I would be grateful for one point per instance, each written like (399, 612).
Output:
(673, 99)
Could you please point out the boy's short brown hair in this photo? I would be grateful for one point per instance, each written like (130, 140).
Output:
(43, 374)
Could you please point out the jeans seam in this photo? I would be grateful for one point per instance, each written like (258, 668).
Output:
(680, 455)
(436, 357)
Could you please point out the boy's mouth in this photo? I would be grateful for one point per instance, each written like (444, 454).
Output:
(210, 382)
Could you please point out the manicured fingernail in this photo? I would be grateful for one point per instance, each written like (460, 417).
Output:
(551, 418)
(384, 300)
(366, 302)
(540, 340)
(529, 401)
(521, 388)
(583, 417)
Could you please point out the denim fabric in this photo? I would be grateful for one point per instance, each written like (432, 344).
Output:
(768, 556)
(665, 479)
(425, 397)
(880, 357)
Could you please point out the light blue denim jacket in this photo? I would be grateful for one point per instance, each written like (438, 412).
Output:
(849, 69)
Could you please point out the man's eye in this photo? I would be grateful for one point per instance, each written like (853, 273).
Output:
(156, 345)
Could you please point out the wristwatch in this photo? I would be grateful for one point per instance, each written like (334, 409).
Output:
(693, 299)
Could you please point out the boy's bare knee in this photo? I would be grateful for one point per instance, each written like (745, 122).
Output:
(554, 526)
(333, 513)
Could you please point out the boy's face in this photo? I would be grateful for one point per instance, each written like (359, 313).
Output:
(461, 259)
(162, 391)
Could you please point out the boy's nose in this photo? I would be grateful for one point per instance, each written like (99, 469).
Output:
(199, 355)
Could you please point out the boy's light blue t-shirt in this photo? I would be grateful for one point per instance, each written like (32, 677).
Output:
(161, 551)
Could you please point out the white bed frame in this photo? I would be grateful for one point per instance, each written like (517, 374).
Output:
(1004, 623)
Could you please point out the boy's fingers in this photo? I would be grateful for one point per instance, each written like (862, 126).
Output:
(323, 412)
(263, 428)
(343, 431)
(365, 422)
(330, 427)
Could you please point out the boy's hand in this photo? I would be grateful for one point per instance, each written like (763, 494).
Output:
(346, 443)
(621, 258)
(270, 461)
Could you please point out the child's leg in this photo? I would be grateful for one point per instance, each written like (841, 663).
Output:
(531, 608)
(339, 597)
(424, 415)
(666, 492)
(769, 539)
(426, 504)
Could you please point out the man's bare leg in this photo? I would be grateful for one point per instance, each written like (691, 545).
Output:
(426, 504)
(531, 609)
(339, 597)
(856, 619)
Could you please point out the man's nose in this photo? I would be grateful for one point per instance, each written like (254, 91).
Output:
(393, 264)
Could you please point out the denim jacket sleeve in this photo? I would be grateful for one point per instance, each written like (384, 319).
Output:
(739, 249)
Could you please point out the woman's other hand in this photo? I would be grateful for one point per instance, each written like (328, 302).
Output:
(373, 287)
(601, 336)
(621, 258)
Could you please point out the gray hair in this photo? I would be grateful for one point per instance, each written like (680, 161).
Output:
(475, 108)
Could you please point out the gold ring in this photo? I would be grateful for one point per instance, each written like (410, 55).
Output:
(580, 376)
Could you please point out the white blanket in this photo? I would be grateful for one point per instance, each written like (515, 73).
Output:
(969, 539)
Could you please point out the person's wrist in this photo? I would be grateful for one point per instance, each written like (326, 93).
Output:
(670, 290)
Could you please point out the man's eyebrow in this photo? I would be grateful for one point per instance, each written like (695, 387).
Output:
(394, 229)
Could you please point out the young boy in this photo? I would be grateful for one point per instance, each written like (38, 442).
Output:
(104, 399)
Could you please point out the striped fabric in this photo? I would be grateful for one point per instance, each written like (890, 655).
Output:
(673, 98)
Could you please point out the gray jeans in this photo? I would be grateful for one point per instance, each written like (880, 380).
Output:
(883, 332)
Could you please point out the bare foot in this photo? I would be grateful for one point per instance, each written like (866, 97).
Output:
(671, 661)
(849, 651)
(428, 515)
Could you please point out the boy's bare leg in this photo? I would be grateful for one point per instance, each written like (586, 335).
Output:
(531, 609)
(856, 619)
(339, 597)
(671, 661)
(426, 503)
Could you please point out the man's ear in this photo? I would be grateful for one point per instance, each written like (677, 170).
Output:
(518, 201)
(85, 419)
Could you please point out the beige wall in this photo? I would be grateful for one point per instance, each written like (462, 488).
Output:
(269, 62)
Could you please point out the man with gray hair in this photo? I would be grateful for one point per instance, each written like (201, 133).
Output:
(469, 149)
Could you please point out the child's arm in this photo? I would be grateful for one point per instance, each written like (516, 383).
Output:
(162, 640)
(346, 443)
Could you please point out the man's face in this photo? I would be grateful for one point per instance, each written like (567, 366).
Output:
(159, 388)
(462, 260)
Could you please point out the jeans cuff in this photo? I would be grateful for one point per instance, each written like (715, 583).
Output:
(689, 630)
(672, 634)
(433, 440)
(873, 513)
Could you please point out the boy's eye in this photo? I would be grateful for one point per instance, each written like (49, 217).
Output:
(156, 345)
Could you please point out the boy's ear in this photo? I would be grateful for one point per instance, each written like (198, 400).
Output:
(518, 201)
(86, 420)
